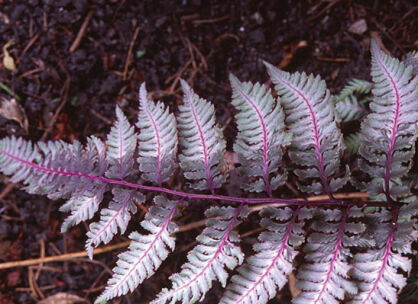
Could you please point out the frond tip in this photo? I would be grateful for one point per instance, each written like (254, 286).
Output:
(121, 143)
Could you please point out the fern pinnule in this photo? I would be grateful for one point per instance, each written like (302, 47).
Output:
(261, 137)
(349, 109)
(317, 141)
(377, 269)
(202, 157)
(355, 86)
(216, 250)
(411, 59)
(121, 145)
(83, 206)
(263, 274)
(157, 140)
(115, 217)
(389, 132)
(324, 278)
(84, 203)
(146, 252)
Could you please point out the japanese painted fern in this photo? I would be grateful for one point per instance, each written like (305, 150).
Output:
(355, 251)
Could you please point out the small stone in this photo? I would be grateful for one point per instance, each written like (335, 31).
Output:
(257, 36)
(257, 18)
(359, 27)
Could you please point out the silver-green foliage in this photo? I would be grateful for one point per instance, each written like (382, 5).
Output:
(301, 125)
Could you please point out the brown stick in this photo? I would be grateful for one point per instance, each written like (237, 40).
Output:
(329, 59)
(70, 256)
(29, 45)
(214, 20)
(81, 32)
(62, 257)
(350, 195)
(128, 57)
(64, 95)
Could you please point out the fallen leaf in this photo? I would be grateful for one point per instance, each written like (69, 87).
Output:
(359, 27)
(4, 249)
(12, 110)
(63, 298)
(8, 61)
(13, 278)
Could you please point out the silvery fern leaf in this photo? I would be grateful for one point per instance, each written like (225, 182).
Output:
(146, 252)
(389, 132)
(115, 217)
(216, 250)
(157, 140)
(324, 278)
(377, 269)
(54, 168)
(349, 109)
(121, 145)
(317, 142)
(202, 157)
(265, 273)
(411, 59)
(261, 136)
(355, 86)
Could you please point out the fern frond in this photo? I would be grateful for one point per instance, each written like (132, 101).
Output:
(117, 215)
(265, 273)
(202, 157)
(377, 269)
(389, 132)
(121, 145)
(324, 277)
(261, 136)
(157, 140)
(217, 249)
(146, 252)
(352, 143)
(355, 86)
(411, 59)
(349, 109)
(317, 141)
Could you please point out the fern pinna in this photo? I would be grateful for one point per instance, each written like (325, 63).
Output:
(351, 251)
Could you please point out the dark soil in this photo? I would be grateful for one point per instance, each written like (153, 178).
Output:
(69, 92)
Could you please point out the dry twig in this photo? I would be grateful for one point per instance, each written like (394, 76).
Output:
(81, 32)
(128, 57)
